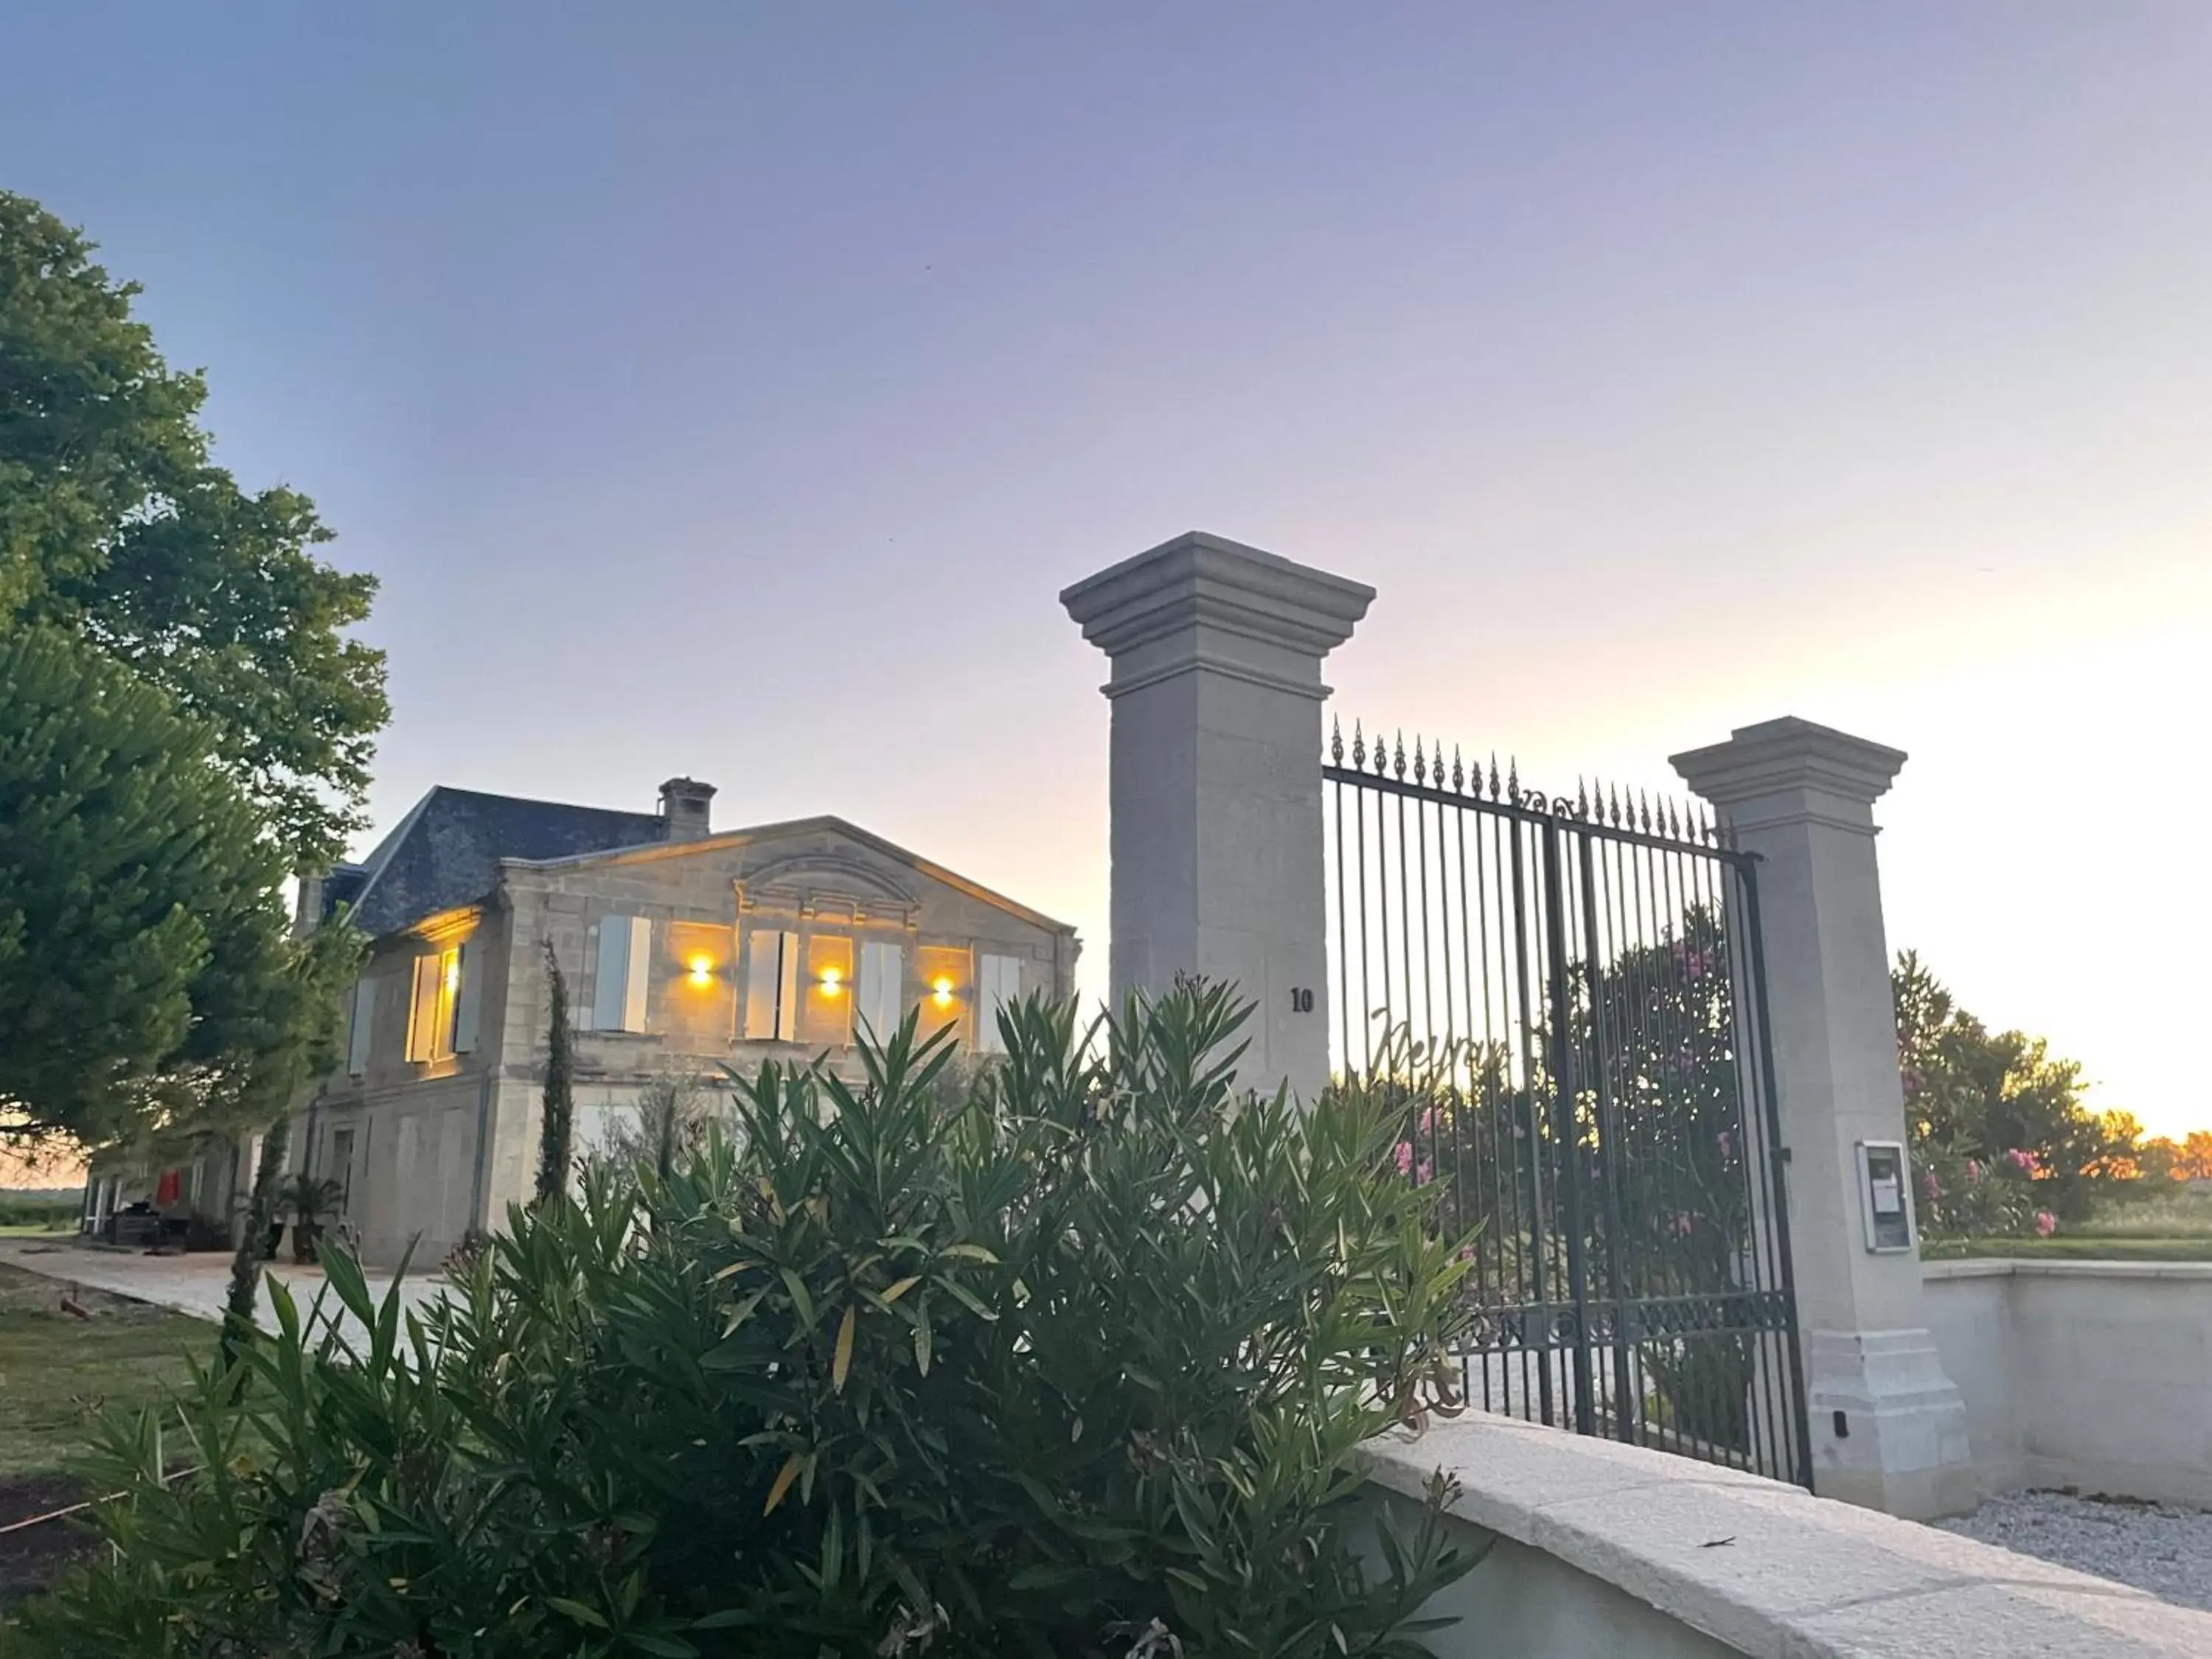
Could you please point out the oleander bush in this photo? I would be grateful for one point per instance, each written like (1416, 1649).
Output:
(1077, 1362)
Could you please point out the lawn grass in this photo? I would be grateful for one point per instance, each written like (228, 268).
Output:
(55, 1367)
(2063, 1249)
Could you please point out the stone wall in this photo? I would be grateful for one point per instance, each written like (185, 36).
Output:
(2096, 1375)
(1604, 1549)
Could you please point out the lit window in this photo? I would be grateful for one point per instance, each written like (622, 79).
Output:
(441, 1014)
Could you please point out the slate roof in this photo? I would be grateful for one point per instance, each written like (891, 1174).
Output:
(447, 852)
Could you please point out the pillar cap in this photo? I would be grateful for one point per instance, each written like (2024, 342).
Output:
(1200, 580)
(1775, 755)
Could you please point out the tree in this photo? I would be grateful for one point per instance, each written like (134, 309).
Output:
(1640, 1161)
(115, 528)
(2195, 1163)
(673, 1112)
(147, 982)
(557, 1120)
(183, 723)
(261, 1211)
(1970, 1093)
(2158, 1159)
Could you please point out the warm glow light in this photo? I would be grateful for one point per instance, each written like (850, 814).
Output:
(943, 987)
(831, 978)
(703, 971)
(452, 977)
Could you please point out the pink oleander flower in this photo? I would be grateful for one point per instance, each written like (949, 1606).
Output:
(1426, 1123)
(1425, 1172)
(1726, 1142)
(1404, 1155)
(1682, 1224)
(2022, 1159)
(1930, 1185)
(2045, 1224)
(1973, 1169)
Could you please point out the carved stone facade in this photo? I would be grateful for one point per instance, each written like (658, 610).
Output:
(681, 955)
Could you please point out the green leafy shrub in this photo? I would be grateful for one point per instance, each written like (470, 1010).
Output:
(1962, 1196)
(1076, 1364)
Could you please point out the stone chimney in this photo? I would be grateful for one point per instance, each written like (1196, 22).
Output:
(685, 809)
(307, 913)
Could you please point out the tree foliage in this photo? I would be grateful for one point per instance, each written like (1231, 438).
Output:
(673, 1110)
(183, 724)
(116, 528)
(1640, 1164)
(1080, 1363)
(2164, 1159)
(147, 982)
(556, 1119)
(1973, 1093)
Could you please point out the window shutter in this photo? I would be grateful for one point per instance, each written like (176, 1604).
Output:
(618, 986)
(881, 984)
(762, 953)
(468, 1000)
(1000, 986)
(786, 994)
(640, 966)
(363, 1027)
(608, 973)
(423, 1009)
(772, 986)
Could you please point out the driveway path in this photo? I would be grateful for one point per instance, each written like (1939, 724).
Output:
(194, 1285)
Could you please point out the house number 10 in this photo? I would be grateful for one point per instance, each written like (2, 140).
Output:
(1301, 1002)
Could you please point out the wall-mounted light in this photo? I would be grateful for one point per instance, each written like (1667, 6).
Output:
(703, 971)
(833, 980)
(941, 991)
(453, 974)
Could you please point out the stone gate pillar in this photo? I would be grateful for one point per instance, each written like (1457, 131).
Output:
(1216, 786)
(1888, 1427)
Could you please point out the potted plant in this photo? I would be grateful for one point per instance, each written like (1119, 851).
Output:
(310, 1198)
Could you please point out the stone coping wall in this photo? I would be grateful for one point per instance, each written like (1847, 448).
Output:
(2093, 1375)
(1605, 1549)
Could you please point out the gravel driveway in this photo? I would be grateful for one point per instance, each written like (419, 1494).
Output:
(2167, 1552)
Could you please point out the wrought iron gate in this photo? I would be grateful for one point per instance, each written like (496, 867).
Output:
(1569, 993)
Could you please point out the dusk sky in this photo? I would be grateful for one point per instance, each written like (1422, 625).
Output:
(730, 390)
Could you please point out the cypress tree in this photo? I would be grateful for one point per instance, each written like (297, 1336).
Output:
(253, 1247)
(556, 1124)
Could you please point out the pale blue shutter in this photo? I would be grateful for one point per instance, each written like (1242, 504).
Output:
(422, 1011)
(468, 1000)
(786, 1007)
(611, 974)
(618, 983)
(1000, 986)
(772, 986)
(637, 965)
(763, 967)
(364, 1022)
(882, 972)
